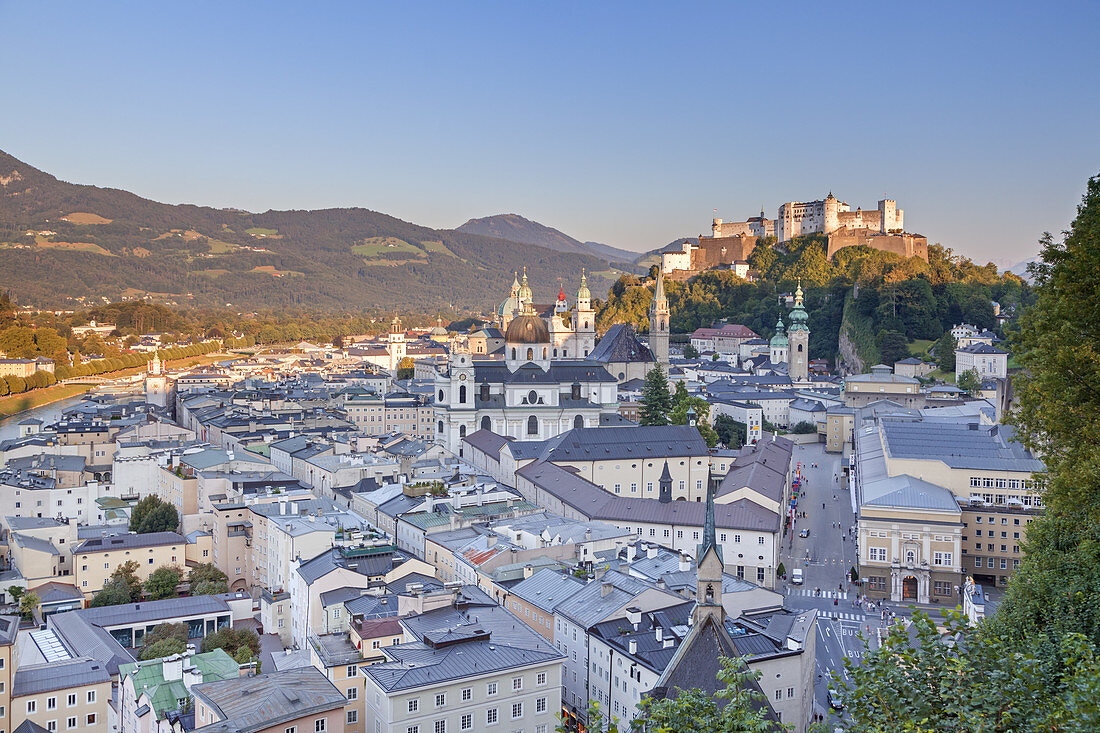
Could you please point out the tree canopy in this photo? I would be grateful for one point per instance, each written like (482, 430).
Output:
(656, 399)
(152, 514)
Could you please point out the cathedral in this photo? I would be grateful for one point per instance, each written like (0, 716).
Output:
(572, 332)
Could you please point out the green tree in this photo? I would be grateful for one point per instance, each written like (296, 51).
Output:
(151, 514)
(163, 641)
(16, 592)
(731, 433)
(969, 381)
(126, 574)
(113, 593)
(893, 346)
(207, 580)
(28, 604)
(803, 428)
(233, 641)
(162, 583)
(945, 352)
(682, 401)
(406, 368)
(656, 400)
(690, 352)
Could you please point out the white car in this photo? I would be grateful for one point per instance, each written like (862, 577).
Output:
(796, 576)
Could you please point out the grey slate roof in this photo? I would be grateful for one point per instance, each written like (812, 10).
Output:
(129, 541)
(611, 443)
(908, 492)
(476, 636)
(546, 589)
(621, 344)
(592, 604)
(981, 348)
(152, 611)
(254, 703)
(958, 444)
(31, 679)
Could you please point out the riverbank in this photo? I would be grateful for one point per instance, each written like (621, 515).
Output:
(18, 403)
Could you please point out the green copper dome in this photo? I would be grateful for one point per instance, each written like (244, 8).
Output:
(799, 317)
(780, 338)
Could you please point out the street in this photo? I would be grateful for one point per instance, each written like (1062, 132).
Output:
(826, 557)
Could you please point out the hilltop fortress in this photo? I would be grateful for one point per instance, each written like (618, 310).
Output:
(731, 242)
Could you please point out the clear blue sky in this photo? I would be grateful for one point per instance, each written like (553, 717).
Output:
(621, 123)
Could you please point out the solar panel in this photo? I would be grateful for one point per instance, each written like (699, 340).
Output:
(50, 646)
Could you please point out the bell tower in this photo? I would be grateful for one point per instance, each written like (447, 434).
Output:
(658, 323)
(799, 339)
(584, 323)
(395, 343)
(708, 570)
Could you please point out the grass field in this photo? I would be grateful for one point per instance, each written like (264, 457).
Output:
(84, 218)
(261, 232)
(374, 246)
(218, 247)
(72, 246)
(438, 248)
(919, 347)
(212, 273)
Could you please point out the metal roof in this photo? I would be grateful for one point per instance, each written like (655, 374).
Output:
(30, 679)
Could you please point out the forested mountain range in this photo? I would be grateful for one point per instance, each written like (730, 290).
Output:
(519, 229)
(63, 244)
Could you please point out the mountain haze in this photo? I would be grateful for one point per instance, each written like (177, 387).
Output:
(519, 229)
(63, 244)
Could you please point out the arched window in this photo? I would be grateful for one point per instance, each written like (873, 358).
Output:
(800, 348)
(910, 557)
(530, 354)
(710, 594)
(586, 324)
(532, 397)
(441, 426)
(486, 423)
(462, 395)
(555, 353)
(586, 352)
(513, 352)
(440, 395)
(565, 353)
(462, 431)
(532, 425)
(544, 352)
(485, 392)
(578, 422)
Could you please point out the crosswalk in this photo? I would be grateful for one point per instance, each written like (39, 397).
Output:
(841, 595)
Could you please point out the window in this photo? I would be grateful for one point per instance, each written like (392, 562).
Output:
(353, 716)
(876, 582)
(414, 705)
(491, 716)
(51, 703)
(759, 540)
(467, 722)
(467, 694)
(517, 710)
(878, 554)
(353, 693)
(790, 692)
(941, 588)
(540, 705)
(760, 575)
(491, 688)
(91, 696)
(779, 694)
(51, 726)
(90, 719)
(942, 558)
(441, 726)
(70, 723)
(71, 699)
(352, 670)
(441, 699)
(291, 729)
(413, 729)
(32, 706)
(541, 679)
(517, 683)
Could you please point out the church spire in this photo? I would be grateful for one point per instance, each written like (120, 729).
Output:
(710, 541)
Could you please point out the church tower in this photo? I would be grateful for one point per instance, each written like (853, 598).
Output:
(156, 383)
(779, 345)
(524, 295)
(658, 323)
(395, 344)
(799, 339)
(708, 570)
(584, 323)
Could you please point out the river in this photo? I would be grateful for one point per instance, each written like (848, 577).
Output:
(9, 426)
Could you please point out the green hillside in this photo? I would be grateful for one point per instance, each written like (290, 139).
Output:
(65, 245)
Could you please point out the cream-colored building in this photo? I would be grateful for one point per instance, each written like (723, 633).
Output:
(67, 695)
(882, 384)
(494, 674)
(94, 560)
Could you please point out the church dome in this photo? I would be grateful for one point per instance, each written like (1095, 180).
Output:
(779, 340)
(527, 329)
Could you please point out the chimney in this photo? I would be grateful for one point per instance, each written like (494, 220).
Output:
(659, 632)
(634, 615)
(528, 571)
(172, 668)
(631, 553)
(651, 552)
(606, 588)
(685, 564)
(633, 645)
(191, 676)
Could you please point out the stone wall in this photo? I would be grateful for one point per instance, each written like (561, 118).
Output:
(906, 245)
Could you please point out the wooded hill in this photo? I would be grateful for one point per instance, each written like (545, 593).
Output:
(884, 293)
(61, 241)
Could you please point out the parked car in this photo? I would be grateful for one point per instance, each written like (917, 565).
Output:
(796, 576)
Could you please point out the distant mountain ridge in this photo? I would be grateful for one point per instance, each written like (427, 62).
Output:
(61, 242)
(517, 228)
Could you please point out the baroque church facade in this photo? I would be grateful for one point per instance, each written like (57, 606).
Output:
(572, 331)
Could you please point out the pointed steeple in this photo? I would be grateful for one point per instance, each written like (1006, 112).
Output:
(660, 302)
(665, 484)
(524, 288)
(583, 293)
(710, 541)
